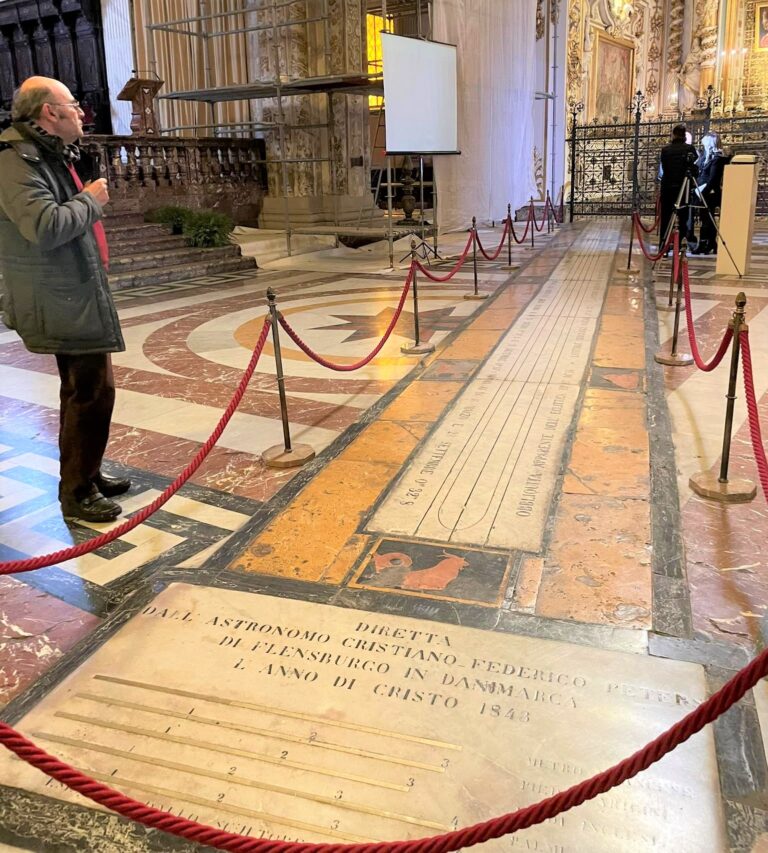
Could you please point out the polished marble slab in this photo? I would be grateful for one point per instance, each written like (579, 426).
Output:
(487, 473)
(313, 722)
(485, 476)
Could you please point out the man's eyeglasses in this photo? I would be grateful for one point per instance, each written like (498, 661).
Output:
(75, 104)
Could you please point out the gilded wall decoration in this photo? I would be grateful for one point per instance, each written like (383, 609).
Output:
(755, 86)
(705, 27)
(539, 20)
(538, 170)
(638, 24)
(574, 50)
(675, 35)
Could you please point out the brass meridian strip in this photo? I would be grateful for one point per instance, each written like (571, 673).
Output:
(278, 712)
(243, 727)
(221, 806)
(242, 780)
(229, 750)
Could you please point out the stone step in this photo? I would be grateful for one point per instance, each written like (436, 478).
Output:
(120, 248)
(170, 258)
(136, 232)
(182, 272)
(123, 205)
(121, 220)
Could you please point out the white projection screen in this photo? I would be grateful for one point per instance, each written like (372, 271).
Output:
(419, 96)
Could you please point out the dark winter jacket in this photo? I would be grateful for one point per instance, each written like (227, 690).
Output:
(711, 178)
(677, 158)
(54, 285)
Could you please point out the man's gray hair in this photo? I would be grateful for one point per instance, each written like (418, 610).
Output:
(28, 104)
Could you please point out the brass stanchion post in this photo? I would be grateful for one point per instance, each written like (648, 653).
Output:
(286, 455)
(675, 358)
(705, 483)
(475, 294)
(629, 269)
(532, 218)
(670, 302)
(509, 237)
(417, 348)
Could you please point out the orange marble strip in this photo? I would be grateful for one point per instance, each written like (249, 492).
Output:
(598, 567)
(621, 342)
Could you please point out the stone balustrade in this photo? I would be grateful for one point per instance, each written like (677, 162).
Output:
(223, 174)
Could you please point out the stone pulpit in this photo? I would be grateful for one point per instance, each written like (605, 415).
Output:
(141, 93)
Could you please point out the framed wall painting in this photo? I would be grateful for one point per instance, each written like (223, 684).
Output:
(761, 26)
(612, 78)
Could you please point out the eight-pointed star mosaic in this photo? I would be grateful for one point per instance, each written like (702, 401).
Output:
(363, 326)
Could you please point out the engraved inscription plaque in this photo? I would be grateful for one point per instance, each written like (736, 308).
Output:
(302, 721)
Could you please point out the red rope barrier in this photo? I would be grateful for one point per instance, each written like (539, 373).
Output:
(711, 709)
(724, 344)
(648, 255)
(754, 416)
(307, 350)
(543, 218)
(459, 264)
(498, 249)
(525, 233)
(654, 225)
(31, 563)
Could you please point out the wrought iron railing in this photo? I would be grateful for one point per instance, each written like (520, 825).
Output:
(603, 159)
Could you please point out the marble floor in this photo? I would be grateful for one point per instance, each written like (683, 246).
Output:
(500, 532)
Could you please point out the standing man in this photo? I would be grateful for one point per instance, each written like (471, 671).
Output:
(53, 262)
(678, 159)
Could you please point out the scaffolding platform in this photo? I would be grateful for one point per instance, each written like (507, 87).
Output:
(347, 84)
(383, 232)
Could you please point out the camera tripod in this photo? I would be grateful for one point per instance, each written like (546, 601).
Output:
(423, 250)
(684, 201)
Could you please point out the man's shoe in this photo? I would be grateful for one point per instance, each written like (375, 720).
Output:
(111, 486)
(93, 507)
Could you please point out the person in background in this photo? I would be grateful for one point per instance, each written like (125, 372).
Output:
(678, 159)
(53, 263)
(710, 190)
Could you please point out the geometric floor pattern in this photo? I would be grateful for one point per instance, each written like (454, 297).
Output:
(618, 560)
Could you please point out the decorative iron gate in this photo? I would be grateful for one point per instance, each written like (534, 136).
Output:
(603, 159)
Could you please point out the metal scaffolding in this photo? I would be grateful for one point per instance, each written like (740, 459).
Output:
(208, 25)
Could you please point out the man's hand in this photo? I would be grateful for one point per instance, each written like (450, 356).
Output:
(98, 189)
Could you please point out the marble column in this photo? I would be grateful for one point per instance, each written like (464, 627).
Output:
(674, 54)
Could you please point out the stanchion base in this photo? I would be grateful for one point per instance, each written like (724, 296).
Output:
(417, 349)
(681, 359)
(625, 271)
(737, 491)
(475, 295)
(279, 457)
(665, 307)
(511, 267)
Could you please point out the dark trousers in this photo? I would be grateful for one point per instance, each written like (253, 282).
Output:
(668, 198)
(708, 230)
(87, 398)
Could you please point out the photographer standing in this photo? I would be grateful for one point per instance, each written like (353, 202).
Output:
(678, 159)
